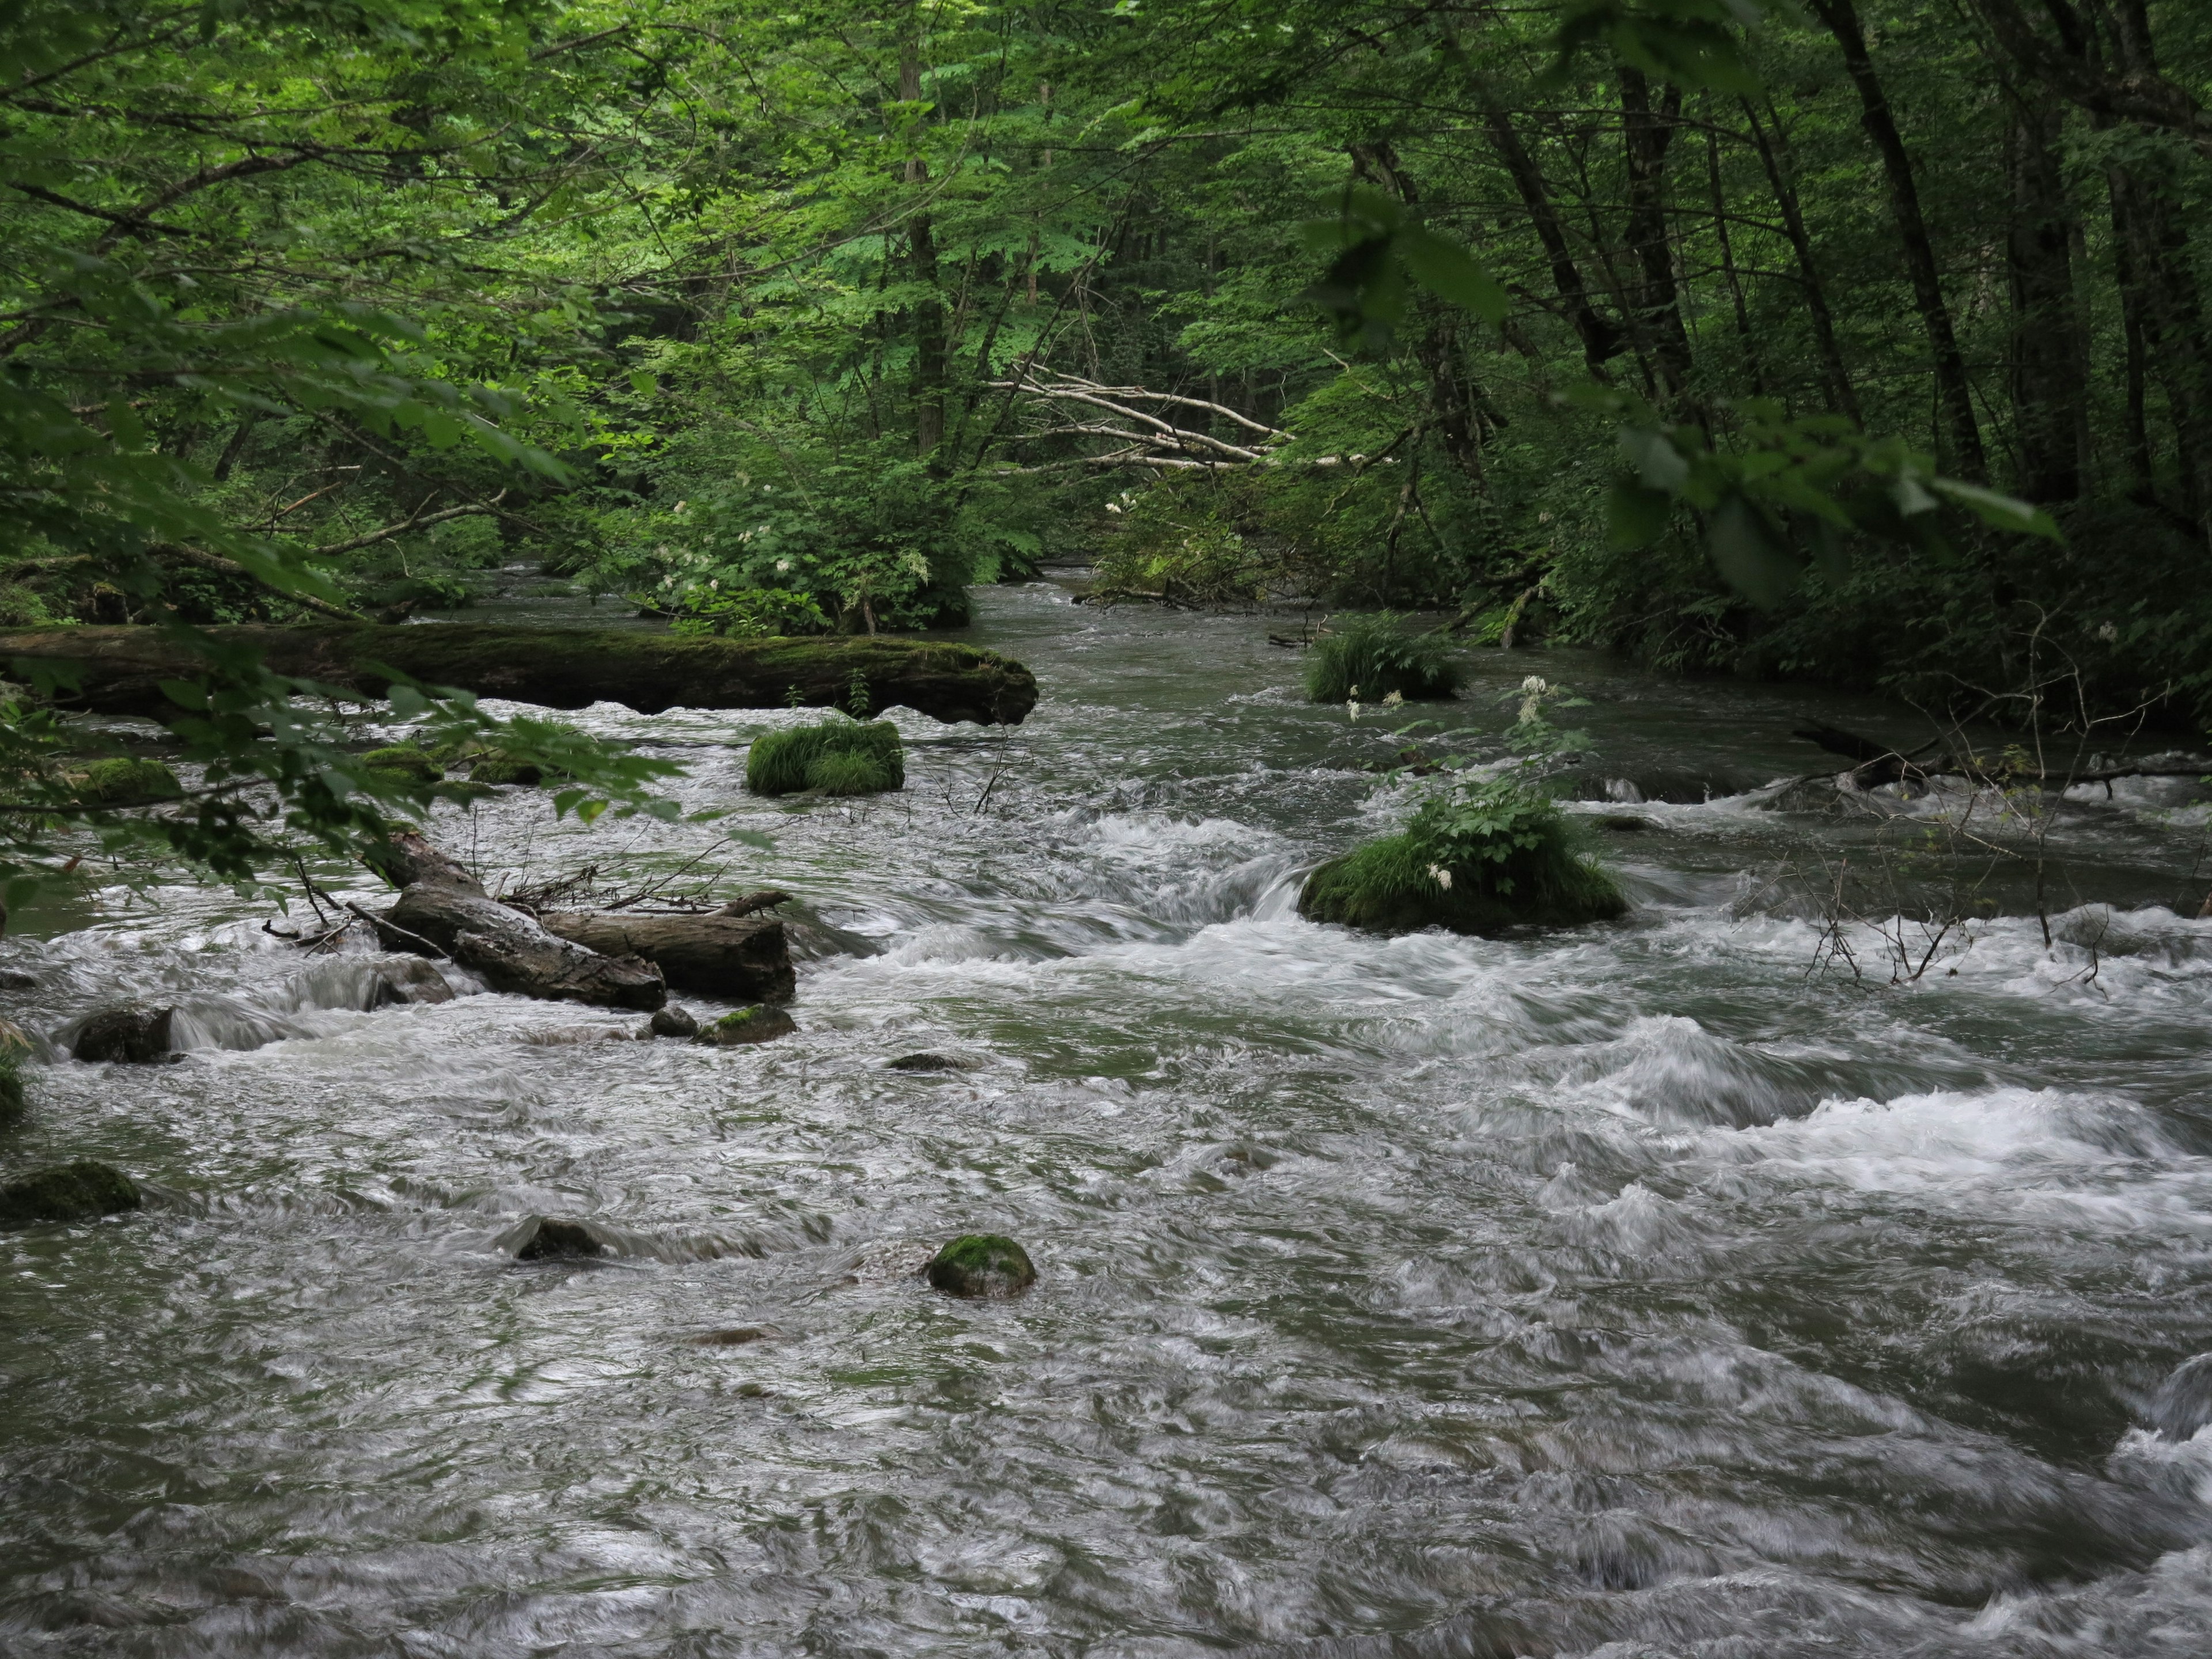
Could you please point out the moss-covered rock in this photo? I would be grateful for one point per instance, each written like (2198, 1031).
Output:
(68, 1192)
(410, 762)
(15, 1050)
(1478, 864)
(837, 756)
(130, 781)
(499, 769)
(760, 1025)
(981, 1264)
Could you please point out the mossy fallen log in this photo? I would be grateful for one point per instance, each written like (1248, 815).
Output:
(121, 669)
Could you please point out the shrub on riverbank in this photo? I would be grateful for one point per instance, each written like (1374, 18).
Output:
(837, 756)
(1371, 657)
(1497, 855)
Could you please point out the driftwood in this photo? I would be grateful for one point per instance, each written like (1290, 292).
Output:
(445, 907)
(730, 958)
(121, 669)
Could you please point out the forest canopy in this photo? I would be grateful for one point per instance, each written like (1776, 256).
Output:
(1851, 342)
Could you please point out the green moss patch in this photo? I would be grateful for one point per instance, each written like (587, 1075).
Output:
(1370, 657)
(499, 769)
(67, 1192)
(130, 782)
(1505, 861)
(757, 1024)
(981, 1264)
(405, 759)
(837, 757)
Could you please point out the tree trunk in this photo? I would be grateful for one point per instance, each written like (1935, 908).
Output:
(730, 958)
(929, 311)
(1774, 156)
(121, 668)
(1602, 338)
(1647, 133)
(1953, 395)
(1728, 265)
(2049, 379)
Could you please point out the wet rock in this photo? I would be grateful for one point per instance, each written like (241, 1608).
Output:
(133, 1037)
(1621, 823)
(2183, 1404)
(14, 1048)
(563, 1037)
(981, 1264)
(550, 1238)
(83, 1191)
(13, 979)
(761, 1025)
(673, 1023)
(734, 1338)
(499, 769)
(408, 979)
(929, 1062)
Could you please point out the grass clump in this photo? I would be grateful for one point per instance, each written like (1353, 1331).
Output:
(1370, 657)
(1480, 859)
(837, 757)
(130, 782)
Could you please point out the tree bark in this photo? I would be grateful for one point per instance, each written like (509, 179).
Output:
(1647, 133)
(1953, 395)
(1774, 156)
(121, 668)
(2048, 376)
(1602, 338)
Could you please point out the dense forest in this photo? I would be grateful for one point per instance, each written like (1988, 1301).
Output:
(1860, 346)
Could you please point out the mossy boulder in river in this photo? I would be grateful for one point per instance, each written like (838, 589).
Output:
(130, 782)
(1481, 861)
(746, 1025)
(136, 1036)
(837, 756)
(408, 760)
(981, 1264)
(67, 1192)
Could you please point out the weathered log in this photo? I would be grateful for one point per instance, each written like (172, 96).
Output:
(730, 958)
(445, 908)
(121, 669)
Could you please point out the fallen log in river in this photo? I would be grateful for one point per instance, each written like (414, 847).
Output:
(120, 670)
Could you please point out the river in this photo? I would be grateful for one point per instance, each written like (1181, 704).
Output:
(1632, 1292)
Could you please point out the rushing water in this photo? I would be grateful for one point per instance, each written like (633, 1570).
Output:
(1634, 1291)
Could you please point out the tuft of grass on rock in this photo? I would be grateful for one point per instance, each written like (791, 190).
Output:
(1375, 656)
(1500, 856)
(130, 781)
(837, 756)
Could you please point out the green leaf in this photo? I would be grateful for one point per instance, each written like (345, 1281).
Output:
(1658, 463)
(1450, 272)
(1748, 555)
(1636, 517)
(2004, 512)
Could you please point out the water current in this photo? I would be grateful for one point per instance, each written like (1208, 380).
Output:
(1635, 1291)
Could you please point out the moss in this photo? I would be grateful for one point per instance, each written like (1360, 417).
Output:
(1387, 885)
(406, 760)
(130, 782)
(1374, 656)
(499, 769)
(837, 756)
(67, 1192)
(981, 1264)
(756, 1025)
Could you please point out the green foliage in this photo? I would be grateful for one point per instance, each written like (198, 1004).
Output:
(1370, 658)
(129, 781)
(1479, 860)
(838, 756)
(744, 612)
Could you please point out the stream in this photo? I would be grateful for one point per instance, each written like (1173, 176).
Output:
(1643, 1290)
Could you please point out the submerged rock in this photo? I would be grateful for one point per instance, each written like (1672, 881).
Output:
(747, 1025)
(731, 1339)
(83, 1191)
(133, 1037)
(407, 979)
(981, 1264)
(673, 1022)
(550, 1238)
(929, 1062)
